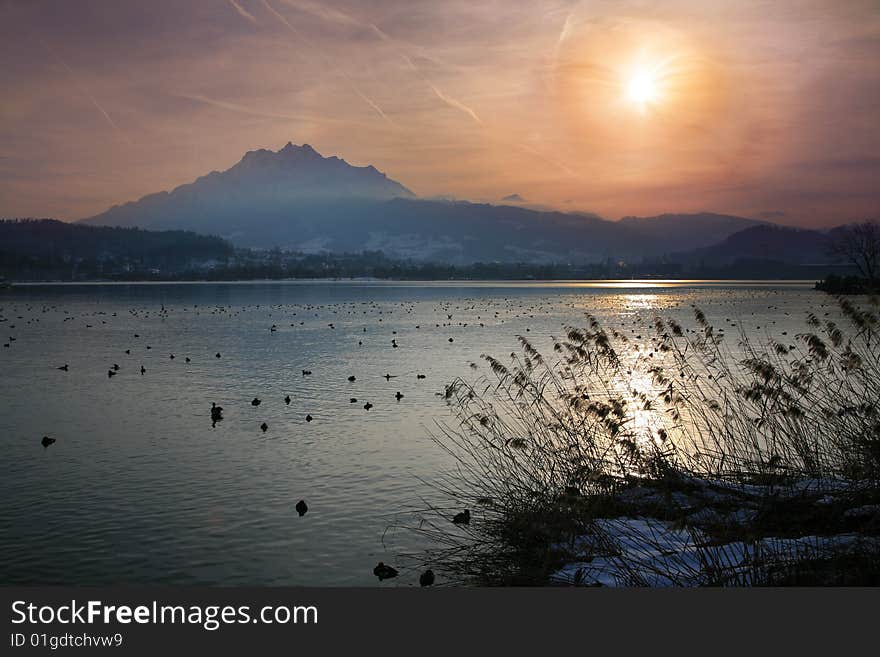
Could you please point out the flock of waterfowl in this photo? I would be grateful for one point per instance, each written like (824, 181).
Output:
(479, 312)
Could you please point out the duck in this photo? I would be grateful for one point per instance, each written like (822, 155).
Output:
(46, 441)
(217, 355)
(309, 418)
(353, 400)
(187, 359)
(383, 571)
(301, 508)
(463, 518)
(368, 406)
(216, 412)
(420, 376)
(143, 370)
(307, 372)
(427, 578)
(264, 427)
(287, 400)
(110, 373)
(398, 396)
(256, 401)
(352, 378)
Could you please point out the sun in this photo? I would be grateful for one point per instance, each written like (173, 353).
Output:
(642, 88)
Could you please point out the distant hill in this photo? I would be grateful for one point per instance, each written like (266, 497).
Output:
(765, 242)
(297, 199)
(667, 231)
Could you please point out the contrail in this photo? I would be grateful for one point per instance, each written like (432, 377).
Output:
(242, 109)
(242, 11)
(335, 16)
(327, 62)
(563, 35)
(85, 93)
(456, 104)
(369, 102)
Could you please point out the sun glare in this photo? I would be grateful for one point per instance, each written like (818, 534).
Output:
(642, 88)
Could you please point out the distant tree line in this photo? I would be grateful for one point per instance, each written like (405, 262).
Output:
(47, 248)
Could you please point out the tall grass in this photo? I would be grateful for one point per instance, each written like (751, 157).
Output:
(638, 456)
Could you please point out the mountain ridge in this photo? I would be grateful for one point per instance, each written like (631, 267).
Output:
(296, 198)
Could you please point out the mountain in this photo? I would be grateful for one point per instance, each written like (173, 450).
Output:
(297, 199)
(262, 179)
(701, 229)
(765, 242)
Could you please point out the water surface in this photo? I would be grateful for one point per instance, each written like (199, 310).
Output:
(140, 488)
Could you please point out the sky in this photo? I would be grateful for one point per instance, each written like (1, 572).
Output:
(761, 108)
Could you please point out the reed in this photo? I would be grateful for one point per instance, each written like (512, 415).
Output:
(688, 459)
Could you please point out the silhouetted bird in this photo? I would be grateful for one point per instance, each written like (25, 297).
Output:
(255, 402)
(306, 372)
(143, 370)
(451, 340)
(110, 373)
(353, 400)
(420, 376)
(171, 357)
(463, 518)
(63, 367)
(398, 396)
(217, 355)
(187, 359)
(309, 418)
(46, 441)
(264, 427)
(368, 406)
(388, 377)
(351, 378)
(427, 578)
(115, 367)
(287, 400)
(216, 412)
(301, 508)
(128, 351)
(384, 572)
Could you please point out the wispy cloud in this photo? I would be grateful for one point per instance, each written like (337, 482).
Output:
(243, 109)
(335, 16)
(86, 93)
(457, 104)
(329, 65)
(242, 11)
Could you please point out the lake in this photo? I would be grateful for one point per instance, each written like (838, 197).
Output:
(140, 488)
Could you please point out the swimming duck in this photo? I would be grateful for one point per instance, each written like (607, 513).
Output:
(427, 578)
(383, 571)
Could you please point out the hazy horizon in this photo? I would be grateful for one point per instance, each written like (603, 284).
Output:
(751, 108)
